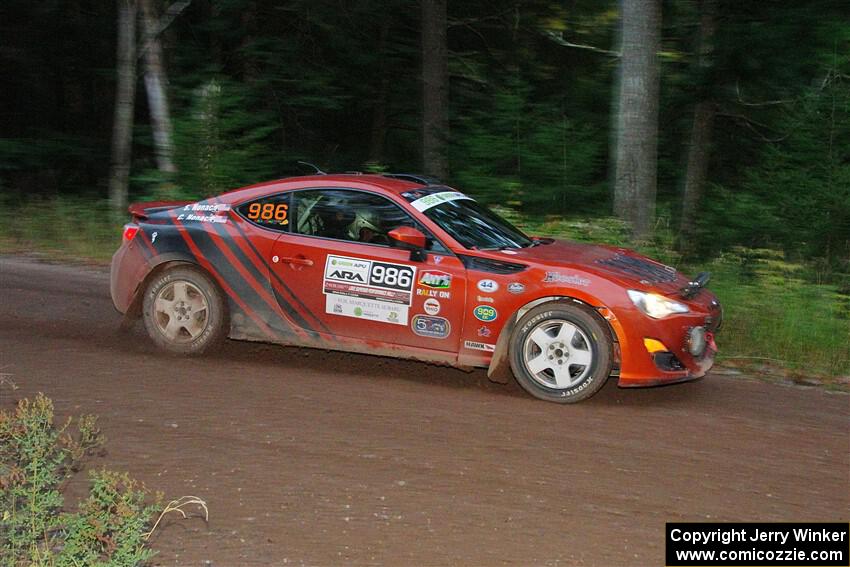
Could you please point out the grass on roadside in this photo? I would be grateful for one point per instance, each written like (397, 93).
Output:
(62, 228)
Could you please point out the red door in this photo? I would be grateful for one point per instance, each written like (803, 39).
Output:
(375, 292)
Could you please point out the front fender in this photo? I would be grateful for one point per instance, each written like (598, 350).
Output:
(500, 368)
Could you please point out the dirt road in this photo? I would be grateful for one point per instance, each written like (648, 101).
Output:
(317, 458)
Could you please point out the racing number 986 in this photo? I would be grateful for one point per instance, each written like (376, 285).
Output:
(388, 275)
(391, 276)
(268, 212)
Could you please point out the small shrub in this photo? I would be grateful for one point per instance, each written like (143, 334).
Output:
(36, 458)
(109, 527)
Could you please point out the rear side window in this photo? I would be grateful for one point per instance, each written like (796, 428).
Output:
(268, 212)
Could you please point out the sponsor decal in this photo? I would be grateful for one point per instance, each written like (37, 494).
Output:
(475, 345)
(435, 279)
(488, 286)
(434, 199)
(438, 259)
(431, 306)
(558, 277)
(347, 269)
(433, 293)
(485, 313)
(482, 299)
(484, 331)
(371, 310)
(368, 289)
(516, 287)
(153, 237)
(431, 327)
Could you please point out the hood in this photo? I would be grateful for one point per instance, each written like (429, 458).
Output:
(626, 266)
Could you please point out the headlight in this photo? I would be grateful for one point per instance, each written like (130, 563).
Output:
(654, 305)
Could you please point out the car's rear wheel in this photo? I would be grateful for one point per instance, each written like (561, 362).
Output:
(560, 353)
(184, 311)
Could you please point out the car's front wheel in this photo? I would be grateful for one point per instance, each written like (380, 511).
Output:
(560, 353)
(184, 311)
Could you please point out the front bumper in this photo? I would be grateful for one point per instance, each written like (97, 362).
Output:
(654, 352)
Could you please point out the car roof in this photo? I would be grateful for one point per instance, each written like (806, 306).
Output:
(354, 180)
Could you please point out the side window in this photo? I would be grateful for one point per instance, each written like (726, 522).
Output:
(269, 212)
(355, 216)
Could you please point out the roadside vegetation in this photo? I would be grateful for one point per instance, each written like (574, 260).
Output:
(38, 456)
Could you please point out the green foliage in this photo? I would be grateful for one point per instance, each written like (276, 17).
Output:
(528, 155)
(36, 458)
(110, 525)
(775, 313)
(797, 196)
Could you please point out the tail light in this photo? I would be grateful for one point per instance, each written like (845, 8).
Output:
(130, 231)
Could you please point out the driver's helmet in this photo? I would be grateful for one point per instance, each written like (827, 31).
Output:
(363, 219)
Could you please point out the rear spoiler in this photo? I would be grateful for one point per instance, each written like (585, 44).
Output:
(696, 284)
(141, 211)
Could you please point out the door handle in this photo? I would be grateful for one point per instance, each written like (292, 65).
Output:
(296, 261)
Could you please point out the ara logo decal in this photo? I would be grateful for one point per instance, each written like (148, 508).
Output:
(516, 287)
(488, 286)
(346, 276)
(485, 313)
(435, 279)
(431, 327)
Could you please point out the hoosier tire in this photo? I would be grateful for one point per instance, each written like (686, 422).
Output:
(560, 353)
(184, 311)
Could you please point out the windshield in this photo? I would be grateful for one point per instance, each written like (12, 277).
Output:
(471, 224)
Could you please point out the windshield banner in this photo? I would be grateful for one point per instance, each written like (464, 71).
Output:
(434, 199)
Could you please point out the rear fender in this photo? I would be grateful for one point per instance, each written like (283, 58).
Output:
(159, 264)
(500, 368)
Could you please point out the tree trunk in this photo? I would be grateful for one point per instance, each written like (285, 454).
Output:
(125, 94)
(435, 88)
(156, 82)
(699, 149)
(637, 115)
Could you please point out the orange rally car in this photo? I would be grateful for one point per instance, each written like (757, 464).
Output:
(402, 266)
